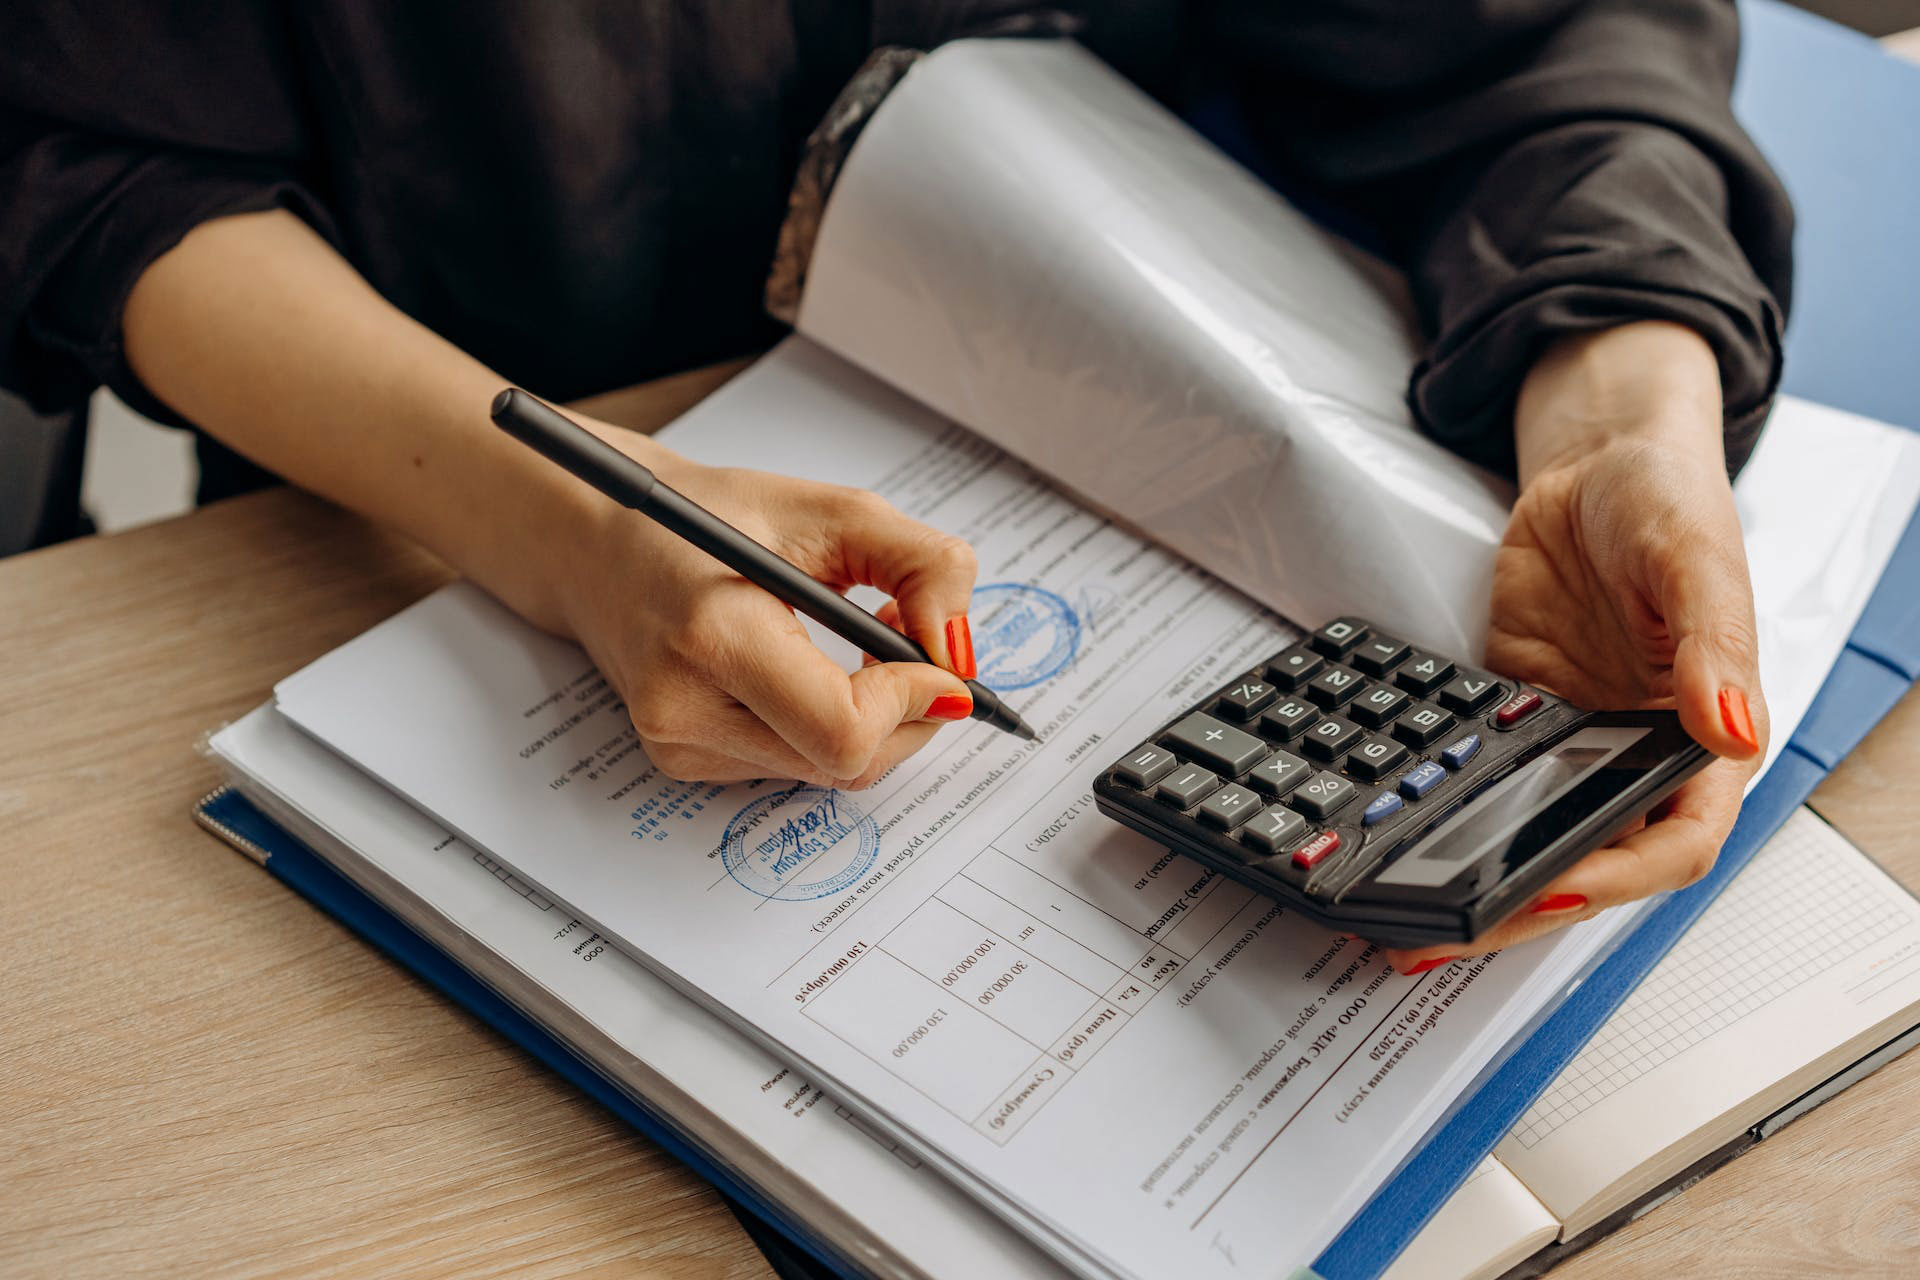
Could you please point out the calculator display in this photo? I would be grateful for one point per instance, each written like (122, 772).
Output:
(1527, 809)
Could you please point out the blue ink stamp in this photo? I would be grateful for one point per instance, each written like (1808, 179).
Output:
(1022, 635)
(800, 843)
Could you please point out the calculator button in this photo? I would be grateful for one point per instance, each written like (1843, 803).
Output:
(1146, 766)
(1338, 636)
(1469, 691)
(1228, 807)
(1294, 667)
(1286, 720)
(1279, 773)
(1422, 725)
(1381, 807)
(1248, 696)
(1187, 786)
(1422, 673)
(1326, 740)
(1216, 744)
(1515, 709)
(1377, 704)
(1274, 830)
(1420, 779)
(1456, 754)
(1377, 654)
(1316, 849)
(1333, 686)
(1375, 758)
(1322, 795)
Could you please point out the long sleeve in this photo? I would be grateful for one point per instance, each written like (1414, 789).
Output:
(110, 151)
(1540, 169)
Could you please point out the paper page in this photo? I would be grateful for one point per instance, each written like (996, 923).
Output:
(1153, 1070)
(1022, 240)
(1491, 1222)
(1812, 947)
(914, 1212)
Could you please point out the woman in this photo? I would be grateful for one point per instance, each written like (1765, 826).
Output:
(326, 234)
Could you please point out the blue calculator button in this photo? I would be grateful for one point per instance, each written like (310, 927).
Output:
(1382, 807)
(1458, 753)
(1422, 778)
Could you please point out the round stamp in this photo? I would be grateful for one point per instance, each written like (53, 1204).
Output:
(1022, 635)
(801, 843)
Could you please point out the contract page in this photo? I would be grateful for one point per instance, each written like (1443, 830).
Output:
(773, 1125)
(1153, 1070)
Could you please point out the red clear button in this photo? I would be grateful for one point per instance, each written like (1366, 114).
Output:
(1515, 709)
(1315, 849)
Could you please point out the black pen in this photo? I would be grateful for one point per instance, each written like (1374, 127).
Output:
(630, 484)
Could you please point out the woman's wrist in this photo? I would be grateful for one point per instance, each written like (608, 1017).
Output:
(1645, 383)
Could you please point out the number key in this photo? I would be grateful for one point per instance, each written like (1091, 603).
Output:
(1326, 740)
(1377, 704)
(1469, 691)
(1375, 758)
(1422, 673)
(1422, 725)
(1338, 636)
(1377, 654)
(1286, 720)
(1333, 686)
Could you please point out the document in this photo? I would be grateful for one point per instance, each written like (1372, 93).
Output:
(1150, 1069)
(755, 1113)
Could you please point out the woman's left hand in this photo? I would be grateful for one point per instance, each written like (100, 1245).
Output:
(1622, 582)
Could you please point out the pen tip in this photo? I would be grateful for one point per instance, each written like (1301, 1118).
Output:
(1022, 727)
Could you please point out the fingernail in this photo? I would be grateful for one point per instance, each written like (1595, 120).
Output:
(950, 706)
(1560, 902)
(960, 648)
(1738, 719)
(1425, 965)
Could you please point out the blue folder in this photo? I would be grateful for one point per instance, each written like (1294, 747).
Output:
(1823, 103)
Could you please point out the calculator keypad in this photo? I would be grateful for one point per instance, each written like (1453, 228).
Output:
(1295, 765)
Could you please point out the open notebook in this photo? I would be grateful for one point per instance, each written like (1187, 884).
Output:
(1139, 1069)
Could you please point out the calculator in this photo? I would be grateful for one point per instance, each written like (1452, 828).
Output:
(1390, 791)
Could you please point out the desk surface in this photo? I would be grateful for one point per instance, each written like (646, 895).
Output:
(204, 1074)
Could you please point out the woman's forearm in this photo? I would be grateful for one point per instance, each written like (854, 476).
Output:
(257, 331)
(1648, 381)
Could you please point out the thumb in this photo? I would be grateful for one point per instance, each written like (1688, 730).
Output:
(928, 573)
(1716, 656)
(890, 694)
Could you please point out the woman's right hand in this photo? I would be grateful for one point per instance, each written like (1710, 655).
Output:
(720, 678)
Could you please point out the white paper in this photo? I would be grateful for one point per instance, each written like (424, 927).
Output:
(1209, 1109)
(1028, 244)
(915, 1214)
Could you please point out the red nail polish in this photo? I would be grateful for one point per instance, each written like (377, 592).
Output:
(1425, 965)
(1736, 716)
(950, 706)
(1560, 902)
(960, 648)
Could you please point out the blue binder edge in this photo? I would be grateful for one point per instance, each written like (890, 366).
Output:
(314, 879)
